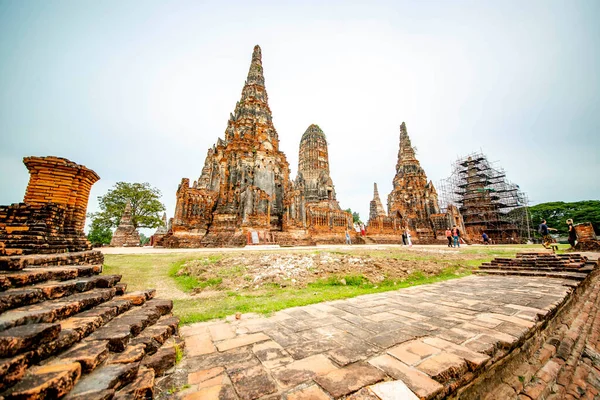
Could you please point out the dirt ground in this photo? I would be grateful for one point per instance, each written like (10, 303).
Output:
(236, 271)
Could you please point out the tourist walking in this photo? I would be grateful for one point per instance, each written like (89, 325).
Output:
(362, 230)
(449, 237)
(544, 230)
(572, 234)
(485, 237)
(348, 241)
(408, 241)
(456, 236)
(404, 238)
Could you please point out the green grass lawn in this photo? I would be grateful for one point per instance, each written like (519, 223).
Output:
(161, 271)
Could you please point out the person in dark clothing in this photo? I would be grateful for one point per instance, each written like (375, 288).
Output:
(572, 234)
(404, 238)
(544, 230)
(486, 238)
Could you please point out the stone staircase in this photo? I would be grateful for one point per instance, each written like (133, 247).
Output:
(67, 331)
(566, 266)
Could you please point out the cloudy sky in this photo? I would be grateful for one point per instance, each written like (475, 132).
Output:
(139, 90)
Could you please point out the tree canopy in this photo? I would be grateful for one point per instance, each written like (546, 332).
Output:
(556, 214)
(146, 208)
(99, 234)
(355, 216)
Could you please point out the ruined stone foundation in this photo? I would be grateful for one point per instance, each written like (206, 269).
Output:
(66, 330)
(125, 235)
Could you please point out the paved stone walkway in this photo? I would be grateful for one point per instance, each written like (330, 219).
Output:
(419, 342)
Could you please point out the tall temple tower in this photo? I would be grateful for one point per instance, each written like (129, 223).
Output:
(313, 168)
(244, 178)
(413, 199)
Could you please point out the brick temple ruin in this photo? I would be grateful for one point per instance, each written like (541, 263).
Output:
(412, 204)
(244, 193)
(486, 200)
(66, 329)
(125, 235)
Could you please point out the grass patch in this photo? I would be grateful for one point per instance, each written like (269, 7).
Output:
(178, 354)
(142, 271)
(186, 282)
(275, 299)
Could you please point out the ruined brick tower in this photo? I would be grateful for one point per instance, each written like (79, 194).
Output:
(52, 215)
(412, 204)
(125, 235)
(244, 177)
(375, 207)
(313, 168)
(413, 199)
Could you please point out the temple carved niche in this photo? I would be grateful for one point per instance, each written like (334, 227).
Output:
(125, 235)
(412, 204)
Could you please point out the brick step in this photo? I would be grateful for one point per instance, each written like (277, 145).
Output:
(31, 276)
(526, 268)
(561, 275)
(116, 315)
(126, 375)
(537, 264)
(8, 263)
(53, 310)
(13, 298)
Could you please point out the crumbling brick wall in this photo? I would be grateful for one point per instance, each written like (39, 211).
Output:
(52, 216)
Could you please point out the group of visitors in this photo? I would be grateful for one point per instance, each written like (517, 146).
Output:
(453, 236)
(360, 229)
(544, 230)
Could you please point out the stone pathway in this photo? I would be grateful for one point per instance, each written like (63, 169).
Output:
(419, 342)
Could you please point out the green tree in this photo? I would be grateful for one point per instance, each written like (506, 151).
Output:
(556, 214)
(355, 216)
(143, 239)
(99, 234)
(146, 208)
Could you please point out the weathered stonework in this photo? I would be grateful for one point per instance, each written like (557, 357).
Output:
(311, 204)
(586, 237)
(66, 330)
(412, 204)
(161, 231)
(245, 187)
(244, 178)
(376, 207)
(313, 169)
(52, 215)
(125, 235)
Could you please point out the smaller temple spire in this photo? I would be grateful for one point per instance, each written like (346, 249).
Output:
(126, 217)
(376, 207)
(255, 74)
(406, 151)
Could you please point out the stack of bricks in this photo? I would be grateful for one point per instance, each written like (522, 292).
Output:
(52, 217)
(60, 181)
(586, 237)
